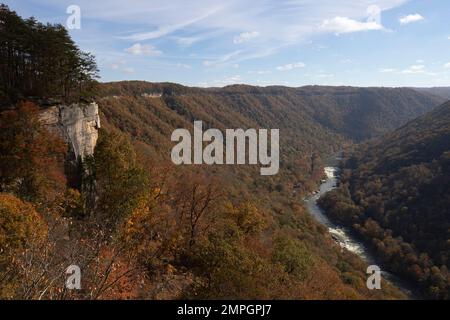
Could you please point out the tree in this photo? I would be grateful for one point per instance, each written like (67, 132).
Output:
(31, 158)
(21, 227)
(41, 60)
(120, 181)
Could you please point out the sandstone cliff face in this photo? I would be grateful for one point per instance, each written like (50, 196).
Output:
(77, 124)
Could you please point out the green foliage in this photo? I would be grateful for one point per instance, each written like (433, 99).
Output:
(228, 270)
(39, 60)
(120, 181)
(293, 256)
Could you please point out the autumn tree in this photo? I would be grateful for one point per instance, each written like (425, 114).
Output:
(31, 158)
(21, 228)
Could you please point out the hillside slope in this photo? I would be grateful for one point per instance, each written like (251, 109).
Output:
(443, 92)
(395, 192)
(354, 113)
(313, 121)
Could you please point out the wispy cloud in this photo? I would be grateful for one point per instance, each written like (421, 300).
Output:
(222, 59)
(387, 70)
(168, 29)
(186, 41)
(183, 66)
(341, 25)
(291, 66)
(411, 18)
(228, 81)
(245, 36)
(128, 70)
(447, 65)
(418, 68)
(139, 49)
(411, 70)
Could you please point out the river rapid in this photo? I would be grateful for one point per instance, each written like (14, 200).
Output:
(342, 235)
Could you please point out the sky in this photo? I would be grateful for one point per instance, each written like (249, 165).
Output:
(210, 43)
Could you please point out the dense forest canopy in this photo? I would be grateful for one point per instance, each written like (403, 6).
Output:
(142, 228)
(354, 113)
(395, 192)
(41, 60)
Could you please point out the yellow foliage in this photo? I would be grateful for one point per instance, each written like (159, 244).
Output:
(20, 228)
(20, 224)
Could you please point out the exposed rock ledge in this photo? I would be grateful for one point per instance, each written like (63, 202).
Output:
(77, 124)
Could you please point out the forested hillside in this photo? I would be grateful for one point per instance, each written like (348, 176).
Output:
(395, 192)
(140, 227)
(353, 113)
(443, 92)
(313, 121)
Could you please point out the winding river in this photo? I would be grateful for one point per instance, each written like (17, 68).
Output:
(343, 236)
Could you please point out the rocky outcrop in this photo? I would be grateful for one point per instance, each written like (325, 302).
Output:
(77, 124)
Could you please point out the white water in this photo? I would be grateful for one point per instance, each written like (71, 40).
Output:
(341, 234)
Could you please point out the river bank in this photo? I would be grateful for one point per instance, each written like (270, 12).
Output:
(344, 236)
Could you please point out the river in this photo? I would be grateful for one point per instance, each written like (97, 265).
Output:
(343, 235)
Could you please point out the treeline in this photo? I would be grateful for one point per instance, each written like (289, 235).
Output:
(41, 61)
(395, 193)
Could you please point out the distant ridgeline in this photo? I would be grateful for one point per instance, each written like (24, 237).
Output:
(41, 61)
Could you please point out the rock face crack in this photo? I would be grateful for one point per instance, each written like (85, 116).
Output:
(77, 124)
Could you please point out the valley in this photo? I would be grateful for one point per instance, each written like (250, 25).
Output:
(164, 191)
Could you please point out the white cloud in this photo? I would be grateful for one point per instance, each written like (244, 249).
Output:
(118, 64)
(387, 70)
(340, 25)
(279, 24)
(139, 49)
(418, 68)
(226, 58)
(186, 41)
(245, 36)
(411, 18)
(447, 65)
(170, 28)
(324, 75)
(128, 70)
(228, 81)
(183, 66)
(291, 66)
(413, 69)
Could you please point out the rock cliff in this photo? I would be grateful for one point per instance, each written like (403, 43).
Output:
(77, 124)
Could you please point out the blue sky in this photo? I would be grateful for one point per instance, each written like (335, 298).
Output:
(261, 42)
